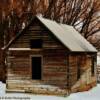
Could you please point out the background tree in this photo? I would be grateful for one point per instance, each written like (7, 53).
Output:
(84, 15)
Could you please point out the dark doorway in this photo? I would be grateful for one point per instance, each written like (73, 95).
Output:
(36, 68)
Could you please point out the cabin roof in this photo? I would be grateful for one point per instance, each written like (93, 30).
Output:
(79, 39)
(66, 34)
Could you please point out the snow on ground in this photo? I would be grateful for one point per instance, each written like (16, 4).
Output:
(93, 94)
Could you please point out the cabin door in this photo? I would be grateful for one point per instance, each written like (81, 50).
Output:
(36, 68)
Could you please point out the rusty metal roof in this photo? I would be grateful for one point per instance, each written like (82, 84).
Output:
(71, 38)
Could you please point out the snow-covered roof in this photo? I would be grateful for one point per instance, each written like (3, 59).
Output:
(78, 39)
(67, 35)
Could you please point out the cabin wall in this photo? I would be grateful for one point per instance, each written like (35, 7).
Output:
(37, 31)
(54, 74)
(54, 67)
(81, 75)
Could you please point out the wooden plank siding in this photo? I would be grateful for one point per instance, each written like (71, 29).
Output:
(81, 76)
(54, 67)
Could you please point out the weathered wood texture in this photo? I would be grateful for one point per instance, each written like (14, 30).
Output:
(37, 31)
(59, 67)
(54, 68)
(87, 77)
(98, 73)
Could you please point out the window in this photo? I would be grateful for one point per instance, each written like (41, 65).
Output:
(36, 43)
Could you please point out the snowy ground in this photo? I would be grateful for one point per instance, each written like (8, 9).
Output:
(93, 94)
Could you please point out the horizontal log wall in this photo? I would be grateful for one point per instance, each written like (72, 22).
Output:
(49, 41)
(54, 67)
(87, 78)
(73, 69)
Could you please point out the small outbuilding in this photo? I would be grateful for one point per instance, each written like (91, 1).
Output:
(50, 58)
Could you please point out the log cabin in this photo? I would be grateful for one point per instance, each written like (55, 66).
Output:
(47, 57)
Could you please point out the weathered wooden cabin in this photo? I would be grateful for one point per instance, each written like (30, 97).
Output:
(50, 58)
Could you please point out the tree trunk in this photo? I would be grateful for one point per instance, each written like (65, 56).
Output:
(2, 63)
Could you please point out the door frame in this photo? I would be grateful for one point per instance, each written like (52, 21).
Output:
(41, 66)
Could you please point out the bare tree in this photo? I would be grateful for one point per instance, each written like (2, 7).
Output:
(84, 15)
